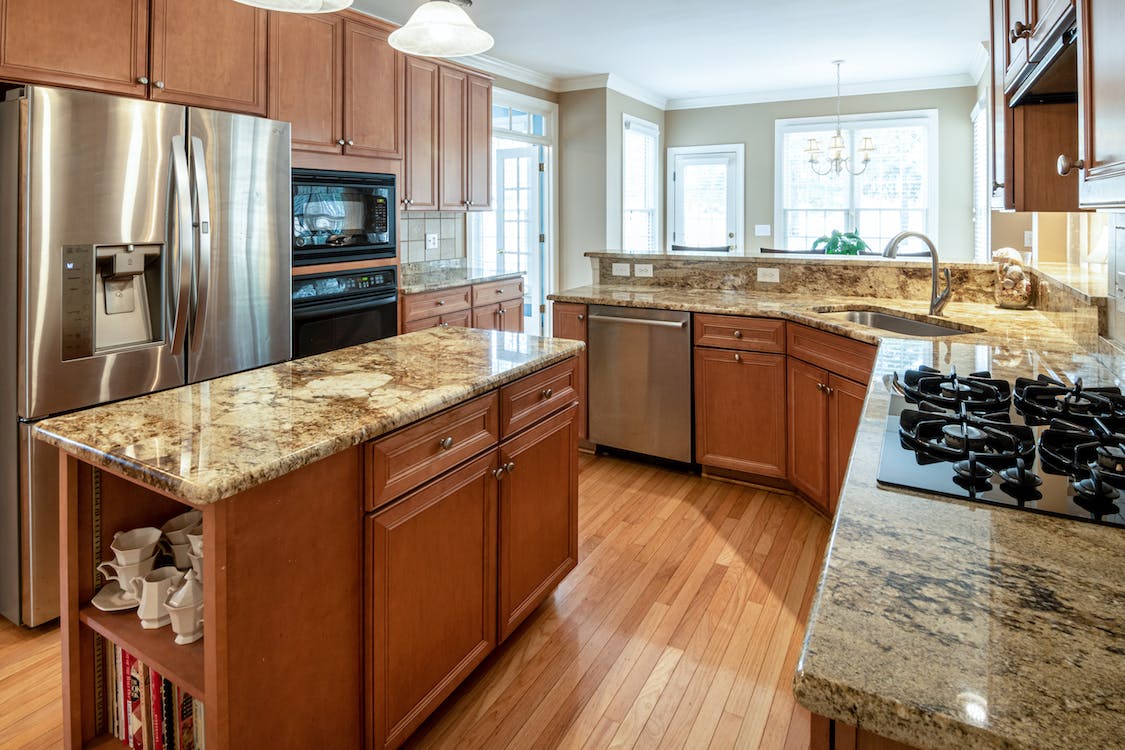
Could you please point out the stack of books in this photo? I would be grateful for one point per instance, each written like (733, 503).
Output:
(146, 711)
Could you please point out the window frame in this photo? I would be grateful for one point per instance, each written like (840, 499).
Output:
(737, 197)
(652, 129)
(927, 117)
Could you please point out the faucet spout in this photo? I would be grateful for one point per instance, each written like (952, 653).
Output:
(938, 300)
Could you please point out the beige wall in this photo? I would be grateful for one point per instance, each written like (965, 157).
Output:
(753, 125)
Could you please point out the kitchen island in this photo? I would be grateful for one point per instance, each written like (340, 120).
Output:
(375, 521)
(939, 623)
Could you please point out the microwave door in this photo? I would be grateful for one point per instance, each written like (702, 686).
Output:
(241, 291)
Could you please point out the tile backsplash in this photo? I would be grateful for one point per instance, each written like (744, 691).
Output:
(413, 227)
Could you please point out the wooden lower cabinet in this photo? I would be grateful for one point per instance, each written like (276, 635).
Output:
(431, 558)
(569, 322)
(740, 411)
(538, 515)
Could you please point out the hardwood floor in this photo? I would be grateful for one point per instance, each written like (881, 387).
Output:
(680, 628)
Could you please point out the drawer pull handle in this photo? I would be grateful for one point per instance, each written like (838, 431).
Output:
(446, 443)
(547, 393)
(510, 467)
(738, 358)
(738, 334)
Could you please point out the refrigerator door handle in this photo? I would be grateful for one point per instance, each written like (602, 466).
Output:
(203, 270)
(183, 208)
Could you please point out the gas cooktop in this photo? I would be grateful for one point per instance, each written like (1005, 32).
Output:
(1036, 445)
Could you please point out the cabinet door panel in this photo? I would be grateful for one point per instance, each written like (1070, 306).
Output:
(421, 167)
(432, 609)
(740, 411)
(451, 138)
(478, 149)
(845, 409)
(1101, 103)
(374, 92)
(76, 43)
(209, 53)
(570, 323)
(808, 431)
(538, 515)
(306, 87)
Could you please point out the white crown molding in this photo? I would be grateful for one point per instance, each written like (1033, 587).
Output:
(823, 92)
(489, 64)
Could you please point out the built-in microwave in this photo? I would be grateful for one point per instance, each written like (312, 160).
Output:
(342, 216)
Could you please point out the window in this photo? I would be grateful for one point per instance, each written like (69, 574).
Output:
(897, 191)
(639, 185)
(982, 208)
(705, 202)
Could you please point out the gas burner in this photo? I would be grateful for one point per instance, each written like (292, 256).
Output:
(1075, 449)
(977, 392)
(938, 435)
(1045, 399)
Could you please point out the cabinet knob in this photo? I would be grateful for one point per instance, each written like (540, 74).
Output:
(1066, 165)
(509, 467)
(340, 142)
(547, 393)
(351, 142)
(737, 357)
(143, 80)
(738, 334)
(446, 443)
(1020, 31)
(159, 84)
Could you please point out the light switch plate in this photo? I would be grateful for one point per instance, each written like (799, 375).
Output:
(761, 230)
(769, 275)
(432, 242)
(1028, 239)
(620, 269)
(643, 270)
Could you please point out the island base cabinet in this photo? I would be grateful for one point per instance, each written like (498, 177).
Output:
(538, 515)
(431, 563)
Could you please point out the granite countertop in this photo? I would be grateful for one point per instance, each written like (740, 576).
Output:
(942, 623)
(205, 442)
(416, 278)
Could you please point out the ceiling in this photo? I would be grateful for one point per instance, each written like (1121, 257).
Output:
(760, 49)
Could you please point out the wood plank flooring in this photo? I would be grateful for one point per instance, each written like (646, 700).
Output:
(680, 628)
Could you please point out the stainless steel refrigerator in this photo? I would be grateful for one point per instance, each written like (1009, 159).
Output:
(142, 246)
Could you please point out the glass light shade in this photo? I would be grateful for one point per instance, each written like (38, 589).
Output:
(299, 6)
(441, 29)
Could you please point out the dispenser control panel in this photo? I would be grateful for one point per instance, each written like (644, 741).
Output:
(78, 301)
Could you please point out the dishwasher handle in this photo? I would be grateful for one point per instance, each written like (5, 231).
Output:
(641, 321)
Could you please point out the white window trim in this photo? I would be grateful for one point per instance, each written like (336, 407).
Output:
(739, 188)
(631, 122)
(907, 117)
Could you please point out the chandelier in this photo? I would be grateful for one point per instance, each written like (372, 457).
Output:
(441, 28)
(837, 162)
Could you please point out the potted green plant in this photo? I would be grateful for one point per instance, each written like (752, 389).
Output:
(841, 243)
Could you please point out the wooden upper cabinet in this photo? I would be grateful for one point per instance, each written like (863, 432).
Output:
(209, 53)
(453, 108)
(76, 43)
(1101, 104)
(420, 168)
(808, 431)
(306, 64)
(845, 409)
(374, 93)
(478, 150)
(733, 429)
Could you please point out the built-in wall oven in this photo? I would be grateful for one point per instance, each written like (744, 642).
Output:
(342, 216)
(336, 310)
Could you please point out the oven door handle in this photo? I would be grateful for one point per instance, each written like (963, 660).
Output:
(303, 311)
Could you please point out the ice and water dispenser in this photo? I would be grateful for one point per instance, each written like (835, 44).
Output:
(112, 298)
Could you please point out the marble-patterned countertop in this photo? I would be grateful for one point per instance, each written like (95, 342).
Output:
(416, 278)
(940, 623)
(205, 442)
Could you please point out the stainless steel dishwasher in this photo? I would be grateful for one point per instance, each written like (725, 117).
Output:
(640, 381)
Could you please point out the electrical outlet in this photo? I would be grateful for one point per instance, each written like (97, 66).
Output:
(432, 242)
(643, 270)
(769, 275)
(1028, 239)
(620, 269)
(761, 230)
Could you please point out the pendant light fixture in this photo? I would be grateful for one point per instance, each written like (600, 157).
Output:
(299, 6)
(837, 162)
(442, 28)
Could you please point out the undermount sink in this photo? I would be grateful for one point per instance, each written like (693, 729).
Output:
(898, 323)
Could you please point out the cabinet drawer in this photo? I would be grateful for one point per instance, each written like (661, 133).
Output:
(748, 334)
(457, 319)
(416, 454)
(839, 354)
(497, 291)
(441, 302)
(526, 401)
